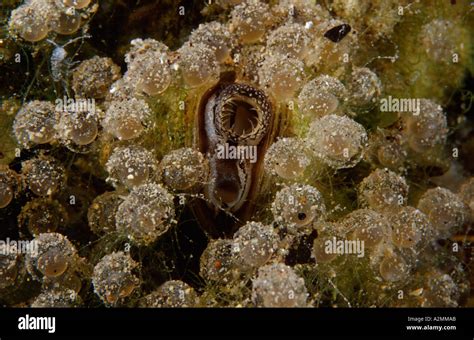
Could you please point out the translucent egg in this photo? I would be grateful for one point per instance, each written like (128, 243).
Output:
(281, 75)
(131, 166)
(94, 77)
(321, 96)
(141, 48)
(145, 214)
(52, 263)
(287, 158)
(56, 298)
(171, 294)
(156, 80)
(254, 244)
(277, 285)
(445, 210)
(35, 123)
(198, 64)
(393, 267)
(426, 128)
(383, 189)
(440, 290)
(10, 185)
(298, 205)
(44, 175)
(126, 119)
(184, 169)
(391, 155)
(368, 226)
(327, 231)
(440, 40)
(78, 4)
(409, 227)
(6, 194)
(290, 39)
(29, 22)
(337, 141)
(42, 215)
(385, 149)
(364, 87)
(319, 251)
(217, 261)
(10, 264)
(102, 211)
(150, 72)
(127, 128)
(70, 279)
(66, 22)
(324, 53)
(216, 36)
(249, 20)
(113, 278)
(51, 254)
(78, 126)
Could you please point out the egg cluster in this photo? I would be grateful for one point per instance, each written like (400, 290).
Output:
(344, 203)
(35, 19)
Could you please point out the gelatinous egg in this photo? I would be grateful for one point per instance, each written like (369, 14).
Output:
(66, 22)
(383, 189)
(445, 210)
(184, 169)
(51, 254)
(10, 186)
(145, 214)
(254, 244)
(217, 262)
(281, 75)
(287, 158)
(35, 123)
(198, 64)
(126, 119)
(337, 141)
(29, 23)
(299, 205)
(215, 35)
(277, 285)
(113, 278)
(44, 175)
(171, 294)
(249, 20)
(131, 166)
(78, 4)
(368, 226)
(321, 96)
